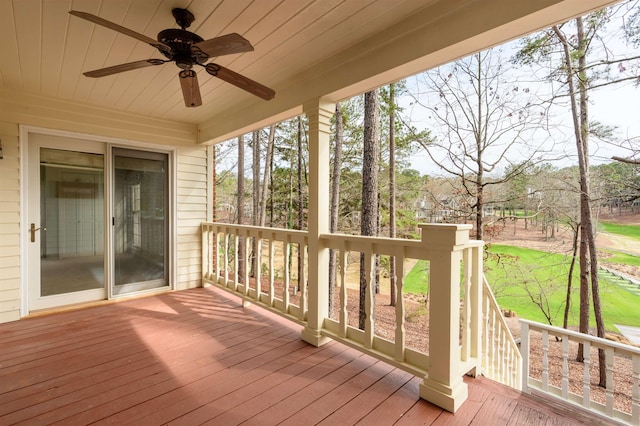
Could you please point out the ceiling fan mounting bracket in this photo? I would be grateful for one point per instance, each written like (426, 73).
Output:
(184, 18)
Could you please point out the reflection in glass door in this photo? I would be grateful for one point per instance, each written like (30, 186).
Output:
(140, 223)
(72, 222)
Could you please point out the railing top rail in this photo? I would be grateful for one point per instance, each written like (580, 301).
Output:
(371, 240)
(597, 340)
(475, 243)
(254, 228)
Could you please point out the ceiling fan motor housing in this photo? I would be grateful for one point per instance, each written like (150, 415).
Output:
(180, 42)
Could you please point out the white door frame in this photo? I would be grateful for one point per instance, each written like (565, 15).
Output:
(25, 239)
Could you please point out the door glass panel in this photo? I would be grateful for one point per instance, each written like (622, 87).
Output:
(72, 221)
(140, 220)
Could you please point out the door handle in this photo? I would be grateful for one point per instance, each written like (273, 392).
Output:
(33, 230)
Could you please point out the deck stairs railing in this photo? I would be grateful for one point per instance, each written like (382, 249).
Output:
(553, 371)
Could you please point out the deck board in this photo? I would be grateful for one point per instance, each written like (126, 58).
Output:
(197, 357)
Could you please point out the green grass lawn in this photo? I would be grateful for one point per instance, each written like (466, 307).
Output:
(417, 280)
(621, 258)
(547, 273)
(512, 270)
(632, 231)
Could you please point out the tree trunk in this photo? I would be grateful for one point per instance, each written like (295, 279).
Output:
(335, 202)
(479, 184)
(584, 184)
(255, 168)
(300, 204)
(214, 179)
(588, 253)
(240, 207)
(392, 191)
(271, 209)
(567, 304)
(369, 214)
(267, 177)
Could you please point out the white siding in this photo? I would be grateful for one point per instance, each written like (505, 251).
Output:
(192, 196)
(9, 223)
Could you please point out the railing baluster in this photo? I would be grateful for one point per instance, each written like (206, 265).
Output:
(287, 274)
(524, 351)
(608, 360)
(635, 396)
(236, 261)
(369, 305)
(586, 377)
(226, 259)
(247, 264)
(206, 253)
(565, 366)
(486, 337)
(302, 281)
(258, 267)
(400, 311)
(494, 347)
(466, 305)
(343, 292)
(272, 272)
(545, 360)
(216, 241)
(501, 349)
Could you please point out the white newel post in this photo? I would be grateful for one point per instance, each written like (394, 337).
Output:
(443, 385)
(475, 299)
(319, 114)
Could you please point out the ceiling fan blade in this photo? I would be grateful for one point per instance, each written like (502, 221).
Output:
(240, 81)
(103, 72)
(224, 45)
(190, 88)
(108, 24)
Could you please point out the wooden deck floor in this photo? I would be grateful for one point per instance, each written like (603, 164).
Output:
(195, 357)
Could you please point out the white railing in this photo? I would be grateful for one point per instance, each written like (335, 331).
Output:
(395, 352)
(460, 318)
(619, 400)
(268, 286)
(501, 358)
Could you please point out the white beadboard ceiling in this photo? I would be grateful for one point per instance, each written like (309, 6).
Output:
(44, 50)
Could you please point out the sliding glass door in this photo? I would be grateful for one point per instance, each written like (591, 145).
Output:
(97, 221)
(140, 220)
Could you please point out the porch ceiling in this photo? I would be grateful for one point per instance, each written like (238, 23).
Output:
(304, 49)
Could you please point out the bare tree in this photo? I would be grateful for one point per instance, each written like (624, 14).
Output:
(582, 60)
(484, 117)
(580, 117)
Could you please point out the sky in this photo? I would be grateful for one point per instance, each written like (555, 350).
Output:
(616, 105)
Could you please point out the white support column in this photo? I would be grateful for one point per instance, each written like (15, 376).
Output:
(443, 385)
(319, 114)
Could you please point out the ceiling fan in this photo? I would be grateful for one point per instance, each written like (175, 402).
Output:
(186, 49)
